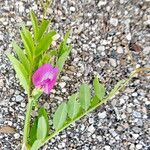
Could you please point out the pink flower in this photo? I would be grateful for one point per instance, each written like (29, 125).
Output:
(45, 77)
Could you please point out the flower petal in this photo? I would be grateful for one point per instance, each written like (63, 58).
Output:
(38, 75)
(45, 77)
(48, 87)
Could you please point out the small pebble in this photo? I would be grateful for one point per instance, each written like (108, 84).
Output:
(72, 9)
(114, 21)
(102, 115)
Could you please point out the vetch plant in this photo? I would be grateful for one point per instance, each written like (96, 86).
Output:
(38, 65)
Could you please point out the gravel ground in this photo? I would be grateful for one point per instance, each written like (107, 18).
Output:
(108, 37)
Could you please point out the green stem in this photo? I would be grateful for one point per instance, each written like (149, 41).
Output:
(96, 106)
(27, 122)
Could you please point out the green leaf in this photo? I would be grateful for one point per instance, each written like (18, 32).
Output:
(53, 53)
(21, 72)
(28, 41)
(36, 145)
(43, 112)
(27, 49)
(45, 59)
(63, 45)
(41, 128)
(43, 27)
(85, 96)
(22, 57)
(94, 101)
(60, 116)
(99, 89)
(61, 60)
(116, 87)
(34, 24)
(44, 43)
(73, 106)
(33, 131)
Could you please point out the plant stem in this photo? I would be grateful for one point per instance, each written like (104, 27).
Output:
(96, 106)
(27, 122)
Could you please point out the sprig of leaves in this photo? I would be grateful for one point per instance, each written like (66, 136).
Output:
(78, 105)
(36, 51)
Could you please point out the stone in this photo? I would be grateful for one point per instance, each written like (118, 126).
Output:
(72, 9)
(62, 84)
(101, 48)
(134, 94)
(135, 136)
(102, 115)
(23, 104)
(56, 37)
(136, 129)
(100, 139)
(1, 37)
(113, 62)
(113, 133)
(146, 50)
(19, 98)
(16, 135)
(114, 21)
(129, 37)
(82, 128)
(1, 83)
(120, 50)
(91, 129)
(102, 3)
(139, 146)
(136, 114)
(107, 147)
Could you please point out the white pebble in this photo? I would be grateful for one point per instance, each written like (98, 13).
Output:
(120, 50)
(135, 94)
(16, 135)
(107, 147)
(62, 84)
(23, 104)
(113, 62)
(101, 48)
(56, 37)
(1, 37)
(146, 50)
(102, 115)
(102, 3)
(135, 136)
(114, 21)
(72, 9)
(91, 129)
(139, 146)
(128, 36)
